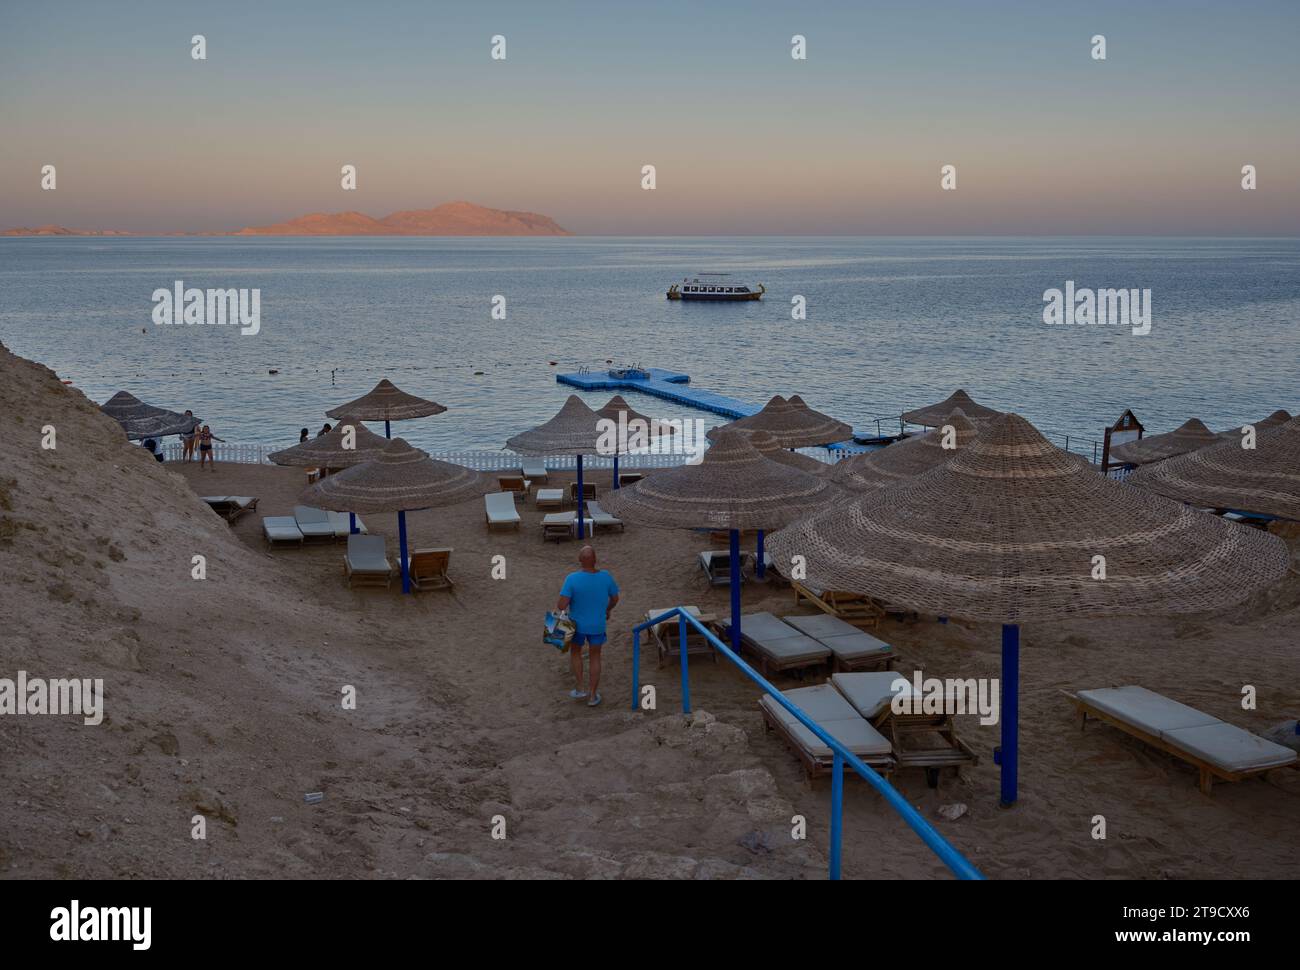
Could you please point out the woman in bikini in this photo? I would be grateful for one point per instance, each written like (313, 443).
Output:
(187, 439)
(206, 437)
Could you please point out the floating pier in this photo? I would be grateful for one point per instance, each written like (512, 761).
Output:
(669, 385)
(675, 386)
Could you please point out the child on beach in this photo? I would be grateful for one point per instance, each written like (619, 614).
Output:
(589, 595)
(206, 437)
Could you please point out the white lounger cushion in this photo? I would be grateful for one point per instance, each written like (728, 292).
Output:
(534, 469)
(778, 641)
(674, 621)
(1230, 747)
(366, 554)
(313, 522)
(281, 528)
(600, 516)
(500, 508)
(845, 640)
(1221, 744)
(342, 524)
(834, 715)
(871, 693)
(550, 496)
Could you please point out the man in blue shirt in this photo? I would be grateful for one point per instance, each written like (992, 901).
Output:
(589, 595)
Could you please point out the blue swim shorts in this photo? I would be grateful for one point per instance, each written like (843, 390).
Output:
(590, 639)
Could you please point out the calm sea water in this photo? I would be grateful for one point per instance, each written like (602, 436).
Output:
(892, 323)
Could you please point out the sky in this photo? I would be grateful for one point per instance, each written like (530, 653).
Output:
(744, 138)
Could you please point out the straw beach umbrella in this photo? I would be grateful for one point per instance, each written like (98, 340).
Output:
(387, 402)
(766, 446)
(733, 488)
(792, 424)
(1264, 479)
(904, 459)
(1008, 531)
(1190, 436)
(1278, 417)
(402, 479)
(349, 443)
(622, 413)
(933, 415)
(575, 430)
(140, 420)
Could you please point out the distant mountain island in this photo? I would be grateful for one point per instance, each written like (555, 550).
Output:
(451, 219)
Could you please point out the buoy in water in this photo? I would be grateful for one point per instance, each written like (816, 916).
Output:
(478, 373)
(273, 370)
(552, 363)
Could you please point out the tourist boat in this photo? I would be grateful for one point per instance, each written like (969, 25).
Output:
(713, 286)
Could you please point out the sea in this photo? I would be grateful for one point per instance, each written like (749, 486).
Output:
(862, 328)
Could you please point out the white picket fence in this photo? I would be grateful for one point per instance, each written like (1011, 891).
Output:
(483, 461)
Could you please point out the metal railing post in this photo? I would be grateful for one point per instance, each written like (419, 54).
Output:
(837, 813)
(636, 666)
(681, 649)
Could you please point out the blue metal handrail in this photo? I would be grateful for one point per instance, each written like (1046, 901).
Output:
(941, 847)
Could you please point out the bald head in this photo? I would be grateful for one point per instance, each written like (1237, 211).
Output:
(587, 557)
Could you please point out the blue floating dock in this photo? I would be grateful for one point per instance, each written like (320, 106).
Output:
(669, 385)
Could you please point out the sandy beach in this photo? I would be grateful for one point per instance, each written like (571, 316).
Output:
(223, 700)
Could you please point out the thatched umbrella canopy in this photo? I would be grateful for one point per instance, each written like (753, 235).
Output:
(1008, 530)
(637, 427)
(793, 425)
(1189, 436)
(1265, 479)
(140, 420)
(387, 402)
(328, 450)
(1278, 417)
(934, 415)
(766, 446)
(401, 479)
(575, 430)
(734, 488)
(904, 459)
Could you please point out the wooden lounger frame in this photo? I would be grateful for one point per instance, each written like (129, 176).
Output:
(898, 727)
(231, 511)
(814, 766)
(861, 611)
(696, 645)
(1208, 772)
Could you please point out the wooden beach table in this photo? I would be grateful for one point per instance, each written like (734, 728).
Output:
(666, 634)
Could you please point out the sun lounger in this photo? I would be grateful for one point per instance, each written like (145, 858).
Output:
(828, 709)
(716, 564)
(366, 562)
(1217, 749)
(314, 523)
(281, 528)
(853, 608)
(629, 478)
(428, 569)
(853, 649)
(534, 469)
(230, 507)
(776, 645)
(666, 635)
(499, 508)
(560, 525)
(342, 524)
(919, 740)
(601, 519)
(550, 498)
(513, 483)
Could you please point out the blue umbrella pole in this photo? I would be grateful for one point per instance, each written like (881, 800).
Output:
(406, 569)
(388, 430)
(1009, 755)
(760, 570)
(616, 469)
(580, 497)
(352, 523)
(735, 590)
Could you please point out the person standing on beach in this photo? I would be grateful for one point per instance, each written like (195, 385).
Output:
(206, 437)
(187, 440)
(589, 595)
